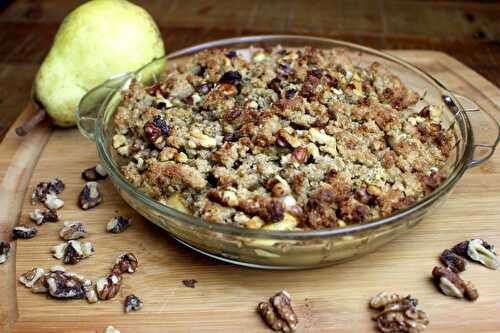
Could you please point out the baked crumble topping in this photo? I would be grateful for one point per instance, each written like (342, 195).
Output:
(281, 139)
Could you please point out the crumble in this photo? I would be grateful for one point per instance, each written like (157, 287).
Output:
(280, 139)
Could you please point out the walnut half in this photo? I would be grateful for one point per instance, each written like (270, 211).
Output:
(452, 285)
(278, 312)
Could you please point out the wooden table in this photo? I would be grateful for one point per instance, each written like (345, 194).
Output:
(466, 30)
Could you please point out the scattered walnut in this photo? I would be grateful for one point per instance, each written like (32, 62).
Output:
(118, 224)
(31, 277)
(191, 283)
(481, 251)
(398, 314)
(111, 329)
(64, 285)
(452, 261)
(95, 173)
(278, 312)
(90, 196)
(72, 230)
(132, 303)
(300, 155)
(107, 287)
(40, 217)
(53, 202)
(452, 285)
(478, 250)
(90, 293)
(73, 251)
(125, 263)
(24, 232)
(4, 251)
(54, 187)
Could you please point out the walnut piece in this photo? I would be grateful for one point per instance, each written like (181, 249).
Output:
(118, 224)
(90, 294)
(64, 285)
(481, 251)
(453, 261)
(53, 202)
(398, 314)
(40, 216)
(132, 303)
(278, 312)
(24, 232)
(54, 187)
(89, 196)
(111, 329)
(452, 285)
(107, 287)
(72, 230)
(4, 251)
(94, 173)
(73, 251)
(31, 277)
(125, 263)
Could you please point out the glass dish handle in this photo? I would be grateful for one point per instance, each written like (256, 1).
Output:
(486, 130)
(91, 103)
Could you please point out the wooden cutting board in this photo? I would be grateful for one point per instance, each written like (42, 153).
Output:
(331, 299)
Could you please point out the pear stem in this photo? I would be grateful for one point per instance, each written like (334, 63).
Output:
(39, 116)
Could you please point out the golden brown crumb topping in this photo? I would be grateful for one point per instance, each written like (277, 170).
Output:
(281, 139)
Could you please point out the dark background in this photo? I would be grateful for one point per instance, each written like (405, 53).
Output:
(466, 30)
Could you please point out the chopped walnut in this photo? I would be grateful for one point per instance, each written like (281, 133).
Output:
(72, 230)
(452, 261)
(90, 294)
(111, 329)
(90, 196)
(118, 224)
(132, 303)
(107, 287)
(398, 314)
(73, 251)
(94, 173)
(24, 232)
(452, 285)
(64, 285)
(4, 251)
(40, 216)
(125, 263)
(55, 186)
(31, 277)
(191, 283)
(53, 202)
(478, 250)
(278, 312)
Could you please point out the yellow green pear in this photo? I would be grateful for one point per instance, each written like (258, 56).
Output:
(97, 40)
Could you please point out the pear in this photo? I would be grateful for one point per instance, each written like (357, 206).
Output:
(97, 40)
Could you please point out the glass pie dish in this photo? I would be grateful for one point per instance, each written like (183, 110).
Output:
(476, 132)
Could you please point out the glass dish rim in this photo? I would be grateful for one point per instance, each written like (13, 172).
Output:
(457, 172)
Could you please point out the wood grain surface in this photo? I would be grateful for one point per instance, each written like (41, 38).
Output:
(331, 299)
(465, 29)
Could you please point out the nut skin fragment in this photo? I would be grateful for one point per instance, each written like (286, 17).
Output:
(118, 224)
(94, 173)
(132, 303)
(90, 196)
(107, 287)
(4, 251)
(191, 283)
(125, 263)
(24, 232)
(452, 261)
(278, 312)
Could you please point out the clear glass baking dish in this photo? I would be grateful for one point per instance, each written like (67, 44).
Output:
(476, 131)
